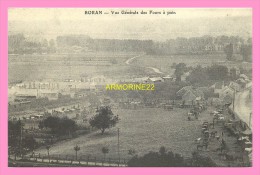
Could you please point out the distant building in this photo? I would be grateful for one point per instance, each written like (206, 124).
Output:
(50, 95)
(156, 79)
(141, 80)
(24, 98)
(209, 47)
(168, 78)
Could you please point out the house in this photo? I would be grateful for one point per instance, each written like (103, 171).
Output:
(243, 76)
(235, 86)
(183, 90)
(190, 96)
(218, 87)
(227, 91)
(234, 72)
(243, 83)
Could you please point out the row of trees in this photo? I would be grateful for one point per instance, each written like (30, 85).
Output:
(103, 120)
(180, 45)
(58, 126)
(19, 44)
(202, 75)
(164, 158)
(18, 140)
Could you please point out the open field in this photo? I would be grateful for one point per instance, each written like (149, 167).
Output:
(164, 63)
(147, 130)
(58, 66)
(143, 130)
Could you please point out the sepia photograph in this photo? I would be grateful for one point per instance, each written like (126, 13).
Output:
(130, 87)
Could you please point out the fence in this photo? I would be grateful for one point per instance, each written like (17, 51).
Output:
(71, 160)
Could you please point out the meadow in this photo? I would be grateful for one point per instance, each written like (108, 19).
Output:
(74, 66)
(143, 130)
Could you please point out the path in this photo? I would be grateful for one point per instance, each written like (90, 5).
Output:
(156, 70)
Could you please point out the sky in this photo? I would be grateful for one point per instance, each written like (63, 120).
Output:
(186, 22)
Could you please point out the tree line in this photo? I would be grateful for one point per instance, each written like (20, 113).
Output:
(19, 44)
(164, 158)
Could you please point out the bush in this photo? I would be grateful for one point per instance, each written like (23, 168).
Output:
(158, 159)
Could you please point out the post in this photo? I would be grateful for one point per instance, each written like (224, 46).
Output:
(118, 146)
(21, 137)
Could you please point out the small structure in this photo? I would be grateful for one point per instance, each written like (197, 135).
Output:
(156, 79)
(168, 78)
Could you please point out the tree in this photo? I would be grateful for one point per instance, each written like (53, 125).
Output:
(229, 51)
(41, 125)
(180, 69)
(29, 142)
(105, 150)
(198, 76)
(104, 119)
(217, 72)
(158, 159)
(76, 149)
(233, 74)
(59, 126)
(246, 52)
(48, 151)
(131, 152)
(202, 161)
(14, 133)
(162, 150)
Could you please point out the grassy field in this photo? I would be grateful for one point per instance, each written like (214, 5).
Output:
(147, 130)
(58, 67)
(164, 63)
(73, 66)
(143, 130)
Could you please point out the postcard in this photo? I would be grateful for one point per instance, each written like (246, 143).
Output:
(107, 89)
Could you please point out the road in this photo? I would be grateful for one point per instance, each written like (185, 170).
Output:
(243, 106)
(131, 59)
(156, 70)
